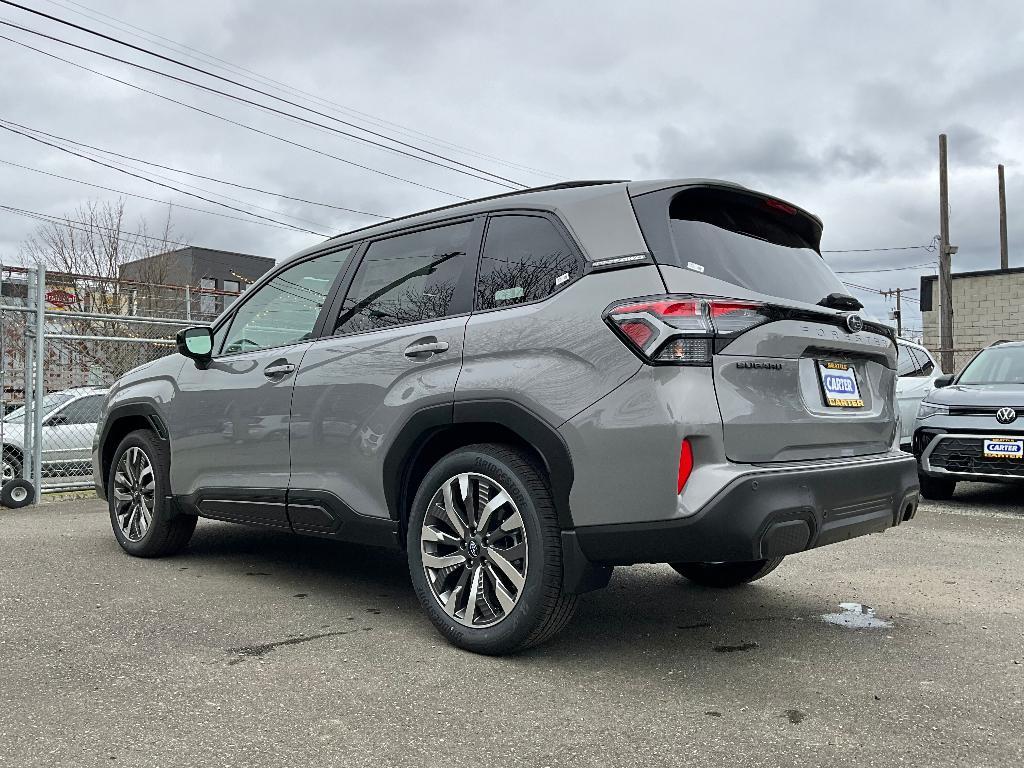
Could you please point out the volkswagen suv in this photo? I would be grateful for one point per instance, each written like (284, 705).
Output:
(968, 428)
(525, 391)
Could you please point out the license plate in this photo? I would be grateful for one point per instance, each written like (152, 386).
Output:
(839, 384)
(1003, 448)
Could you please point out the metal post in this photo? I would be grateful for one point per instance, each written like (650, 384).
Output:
(37, 463)
(188, 300)
(28, 396)
(1004, 248)
(945, 267)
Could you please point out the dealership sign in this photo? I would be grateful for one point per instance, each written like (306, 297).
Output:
(60, 298)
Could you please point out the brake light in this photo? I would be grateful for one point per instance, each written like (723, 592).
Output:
(682, 330)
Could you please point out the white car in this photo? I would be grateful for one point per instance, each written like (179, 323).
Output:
(917, 371)
(69, 423)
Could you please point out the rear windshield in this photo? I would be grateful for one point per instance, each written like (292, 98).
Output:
(748, 240)
(995, 365)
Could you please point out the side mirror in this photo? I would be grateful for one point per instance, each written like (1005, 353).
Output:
(196, 343)
(943, 381)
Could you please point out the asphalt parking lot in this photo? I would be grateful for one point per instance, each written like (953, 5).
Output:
(261, 649)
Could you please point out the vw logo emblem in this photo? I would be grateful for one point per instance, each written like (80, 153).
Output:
(854, 323)
(1006, 415)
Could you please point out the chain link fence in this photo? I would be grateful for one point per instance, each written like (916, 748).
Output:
(64, 339)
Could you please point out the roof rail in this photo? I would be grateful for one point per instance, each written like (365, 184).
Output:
(513, 193)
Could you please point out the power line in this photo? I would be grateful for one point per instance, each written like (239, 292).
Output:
(879, 291)
(141, 197)
(121, 164)
(214, 61)
(192, 173)
(161, 184)
(862, 250)
(217, 116)
(86, 226)
(496, 179)
(886, 269)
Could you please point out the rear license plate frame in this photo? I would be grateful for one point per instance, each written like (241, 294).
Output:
(836, 394)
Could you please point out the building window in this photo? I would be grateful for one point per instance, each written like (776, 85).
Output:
(207, 301)
(231, 287)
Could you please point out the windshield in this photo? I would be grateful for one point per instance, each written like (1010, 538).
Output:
(995, 365)
(50, 402)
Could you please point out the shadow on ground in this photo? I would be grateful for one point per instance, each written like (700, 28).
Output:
(649, 605)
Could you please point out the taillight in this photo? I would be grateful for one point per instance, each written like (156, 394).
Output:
(682, 330)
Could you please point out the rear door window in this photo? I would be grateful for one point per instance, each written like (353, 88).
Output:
(745, 239)
(525, 258)
(407, 279)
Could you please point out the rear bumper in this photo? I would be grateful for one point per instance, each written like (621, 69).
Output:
(770, 512)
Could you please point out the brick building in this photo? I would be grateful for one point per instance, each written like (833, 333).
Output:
(986, 307)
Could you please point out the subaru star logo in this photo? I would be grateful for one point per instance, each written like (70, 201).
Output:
(855, 323)
(1006, 415)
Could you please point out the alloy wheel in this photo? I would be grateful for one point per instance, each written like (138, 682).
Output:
(134, 493)
(474, 551)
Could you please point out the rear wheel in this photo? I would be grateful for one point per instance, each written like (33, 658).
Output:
(485, 553)
(726, 574)
(936, 488)
(144, 523)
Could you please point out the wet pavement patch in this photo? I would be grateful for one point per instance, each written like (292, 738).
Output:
(713, 713)
(255, 651)
(795, 716)
(735, 648)
(856, 616)
(700, 625)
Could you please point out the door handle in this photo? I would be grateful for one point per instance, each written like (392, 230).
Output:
(424, 348)
(278, 369)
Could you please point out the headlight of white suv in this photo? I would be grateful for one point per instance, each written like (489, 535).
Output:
(931, 409)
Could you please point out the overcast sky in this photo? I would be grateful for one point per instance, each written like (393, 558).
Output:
(836, 107)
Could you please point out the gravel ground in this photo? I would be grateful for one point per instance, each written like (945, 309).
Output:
(256, 648)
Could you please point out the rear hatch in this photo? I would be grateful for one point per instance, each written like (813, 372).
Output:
(794, 380)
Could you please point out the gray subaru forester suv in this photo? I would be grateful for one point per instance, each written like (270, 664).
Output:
(524, 391)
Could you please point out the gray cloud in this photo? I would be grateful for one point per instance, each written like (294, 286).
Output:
(836, 107)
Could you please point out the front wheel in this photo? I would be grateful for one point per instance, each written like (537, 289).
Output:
(723, 575)
(144, 523)
(485, 553)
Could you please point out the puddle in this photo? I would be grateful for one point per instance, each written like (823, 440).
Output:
(795, 716)
(735, 648)
(856, 616)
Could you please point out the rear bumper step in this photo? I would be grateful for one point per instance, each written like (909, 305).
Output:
(770, 513)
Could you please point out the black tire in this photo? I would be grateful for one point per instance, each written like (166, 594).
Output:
(12, 458)
(937, 488)
(724, 575)
(542, 608)
(168, 532)
(17, 493)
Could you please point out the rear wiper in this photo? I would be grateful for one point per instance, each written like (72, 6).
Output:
(840, 301)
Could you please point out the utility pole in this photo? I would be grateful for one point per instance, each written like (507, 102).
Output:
(1004, 248)
(898, 313)
(945, 267)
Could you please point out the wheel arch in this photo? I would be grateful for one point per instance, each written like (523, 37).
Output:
(119, 423)
(432, 432)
